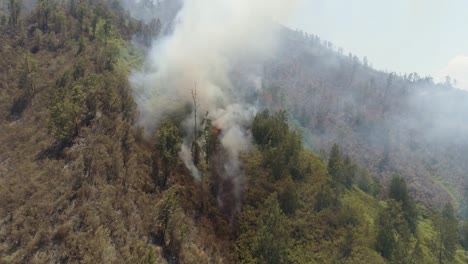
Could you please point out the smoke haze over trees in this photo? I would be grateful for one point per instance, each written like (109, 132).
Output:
(205, 132)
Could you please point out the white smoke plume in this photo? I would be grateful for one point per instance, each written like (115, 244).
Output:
(209, 38)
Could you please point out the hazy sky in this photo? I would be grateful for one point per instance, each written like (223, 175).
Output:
(425, 36)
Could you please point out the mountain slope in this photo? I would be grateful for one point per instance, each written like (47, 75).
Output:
(392, 123)
(81, 183)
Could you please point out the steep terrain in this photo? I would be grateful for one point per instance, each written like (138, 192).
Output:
(81, 182)
(75, 175)
(395, 124)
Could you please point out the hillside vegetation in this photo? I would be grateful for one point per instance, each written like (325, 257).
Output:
(390, 122)
(81, 182)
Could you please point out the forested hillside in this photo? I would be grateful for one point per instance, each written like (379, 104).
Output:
(82, 182)
(391, 122)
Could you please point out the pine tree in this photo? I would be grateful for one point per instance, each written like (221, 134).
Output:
(464, 234)
(168, 144)
(211, 138)
(418, 256)
(67, 112)
(335, 166)
(270, 130)
(265, 234)
(392, 232)
(447, 228)
(386, 241)
(288, 197)
(43, 10)
(399, 192)
(349, 172)
(172, 226)
(27, 77)
(14, 7)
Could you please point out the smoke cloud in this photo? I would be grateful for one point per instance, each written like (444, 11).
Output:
(209, 41)
(457, 68)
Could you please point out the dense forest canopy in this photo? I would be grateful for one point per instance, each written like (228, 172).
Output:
(113, 149)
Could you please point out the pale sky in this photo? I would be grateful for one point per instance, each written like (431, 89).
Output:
(429, 37)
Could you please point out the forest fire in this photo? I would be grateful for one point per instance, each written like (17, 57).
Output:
(216, 131)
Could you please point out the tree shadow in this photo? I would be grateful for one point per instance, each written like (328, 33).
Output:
(53, 152)
(19, 105)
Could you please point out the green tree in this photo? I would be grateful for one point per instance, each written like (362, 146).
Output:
(107, 56)
(399, 192)
(335, 165)
(168, 145)
(418, 256)
(288, 196)
(284, 159)
(196, 152)
(129, 153)
(346, 246)
(67, 112)
(446, 225)
(210, 134)
(81, 45)
(267, 238)
(349, 172)
(172, 228)
(326, 197)
(38, 38)
(149, 257)
(82, 16)
(392, 232)
(464, 235)
(43, 10)
(59, 20)
(14, 8)
(151, 31)
(52, 41)
(270, 130)
(281, 146)
(79, 69)
(273, 233)
(364, 180)
(27, 77)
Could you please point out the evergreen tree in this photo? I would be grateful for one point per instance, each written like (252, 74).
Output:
(43, 10)
(14, 7)
(346, 247)
(271, 240)
(447, 228)
(288, 197)
(464, 204)
(326, 197)
(392, 232)
(349, 172)
(282, 147)
(67, 109)
(27, 77)
(196, 152)
(274, 234)
(399, 192)
(168, 145)
(418, 256)
(386, 241)
(335, 166)
(464, 235)
(270, 130)
(210, 134)
(59, 20)
(172, 228)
